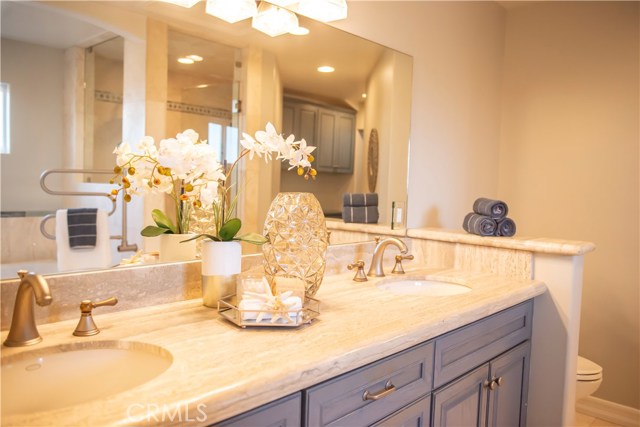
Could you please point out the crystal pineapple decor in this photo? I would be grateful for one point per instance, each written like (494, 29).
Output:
(298, 240)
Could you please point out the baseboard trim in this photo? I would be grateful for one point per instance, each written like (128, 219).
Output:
(609, 411)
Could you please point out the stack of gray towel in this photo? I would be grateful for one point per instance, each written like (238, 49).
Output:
(360, 207)
(489, 218)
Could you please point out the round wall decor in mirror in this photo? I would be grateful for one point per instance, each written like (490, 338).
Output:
(372, 162)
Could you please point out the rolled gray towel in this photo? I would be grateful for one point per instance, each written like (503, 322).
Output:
(490, 207)
(481, 225)
(360, 199)
(506, 227)
(360, 214)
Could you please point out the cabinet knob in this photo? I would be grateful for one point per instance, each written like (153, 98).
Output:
(490, 384)
(499, 381)
(387, 390)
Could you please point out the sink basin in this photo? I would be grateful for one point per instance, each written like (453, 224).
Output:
(421, 286)
(55, 377)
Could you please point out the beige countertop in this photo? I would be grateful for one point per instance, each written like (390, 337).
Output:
(221, 370)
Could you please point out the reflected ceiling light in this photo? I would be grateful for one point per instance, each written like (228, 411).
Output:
(323, 10)
(196, 58)
(326, 69)
(183, 3)
(274, 20)
(300, 31)
(186, 60)
(364, 96)
(231, 10)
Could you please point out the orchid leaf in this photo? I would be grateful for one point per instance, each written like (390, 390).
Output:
(153, 231)
(163, 221)
(229, 230)
(254, 238)
(210, 236)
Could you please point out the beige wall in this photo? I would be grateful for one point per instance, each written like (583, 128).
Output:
(569, 161)
(566, 159)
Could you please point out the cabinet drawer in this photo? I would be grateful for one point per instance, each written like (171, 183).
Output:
(462, 350)
(340, 402)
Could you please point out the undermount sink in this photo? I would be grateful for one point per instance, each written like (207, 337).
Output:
(422, 286)
(60, 376)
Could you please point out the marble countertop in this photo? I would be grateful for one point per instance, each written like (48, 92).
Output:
(221, 370)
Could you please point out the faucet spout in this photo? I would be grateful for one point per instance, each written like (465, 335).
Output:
(23, 331)
(375, 269)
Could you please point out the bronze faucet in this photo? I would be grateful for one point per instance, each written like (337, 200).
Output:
(23, 329)
(376, 261)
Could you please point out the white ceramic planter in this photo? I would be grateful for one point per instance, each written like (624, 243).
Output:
(221, 263)
(172, 250)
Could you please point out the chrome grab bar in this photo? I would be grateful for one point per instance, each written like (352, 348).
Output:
(124, 245)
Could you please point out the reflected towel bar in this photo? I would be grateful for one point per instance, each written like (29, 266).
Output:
(124, 245)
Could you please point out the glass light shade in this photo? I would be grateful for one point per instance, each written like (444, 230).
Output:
(323, 10)
(231, 11)
(183, 3)
(274, 20)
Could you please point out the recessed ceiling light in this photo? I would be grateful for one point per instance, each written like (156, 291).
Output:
(326, 69)
(202, 86)
(196, 58)
(364, 95)
(186, 60)
(300, 31)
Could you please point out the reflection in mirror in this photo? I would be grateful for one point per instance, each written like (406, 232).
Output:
(247, 80)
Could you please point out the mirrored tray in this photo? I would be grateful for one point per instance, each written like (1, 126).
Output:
(290, 319)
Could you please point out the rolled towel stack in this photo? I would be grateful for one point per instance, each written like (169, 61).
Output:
(360, 207)
(489, 218)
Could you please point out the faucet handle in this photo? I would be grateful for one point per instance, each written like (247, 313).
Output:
(360, 275)
(86, 326)
(397, 269)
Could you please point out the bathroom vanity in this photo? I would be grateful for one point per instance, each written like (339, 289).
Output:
(475, 375)
(365, 335)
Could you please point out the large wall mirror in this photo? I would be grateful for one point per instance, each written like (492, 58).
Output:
(246, 79)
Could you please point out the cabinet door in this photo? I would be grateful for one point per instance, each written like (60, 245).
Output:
(508, 400)
(463, 403)
(326, 132)
(343, 143)
(417, 414)
(285, 412)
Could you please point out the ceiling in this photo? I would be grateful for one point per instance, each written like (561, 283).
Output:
(297, 56)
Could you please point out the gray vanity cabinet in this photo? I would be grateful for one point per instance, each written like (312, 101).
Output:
(476, 375)
(492, 395)
(330, 129)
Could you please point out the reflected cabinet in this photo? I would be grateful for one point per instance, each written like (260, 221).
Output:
(331, 129)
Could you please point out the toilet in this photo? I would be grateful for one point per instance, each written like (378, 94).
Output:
(588, 378)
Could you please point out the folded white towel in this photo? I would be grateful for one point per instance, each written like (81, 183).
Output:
(83, 258)
(252, 308)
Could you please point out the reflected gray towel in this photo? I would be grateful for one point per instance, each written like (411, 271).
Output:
(481, 225)
(82, 227)
(490, 207)
(360, 199)
(361, 214)
(506, 227)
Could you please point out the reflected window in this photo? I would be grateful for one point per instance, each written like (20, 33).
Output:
(4, 114)
(224, 139)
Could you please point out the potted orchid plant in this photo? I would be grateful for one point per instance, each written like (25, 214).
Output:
(187, 169)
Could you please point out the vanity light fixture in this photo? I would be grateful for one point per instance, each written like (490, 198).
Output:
(231, 11)
(274, 20)
(326, 69)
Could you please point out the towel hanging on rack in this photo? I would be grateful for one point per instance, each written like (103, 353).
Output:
(81, 258)
(81, 224)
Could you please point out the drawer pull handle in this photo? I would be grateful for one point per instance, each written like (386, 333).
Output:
(388, 389)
